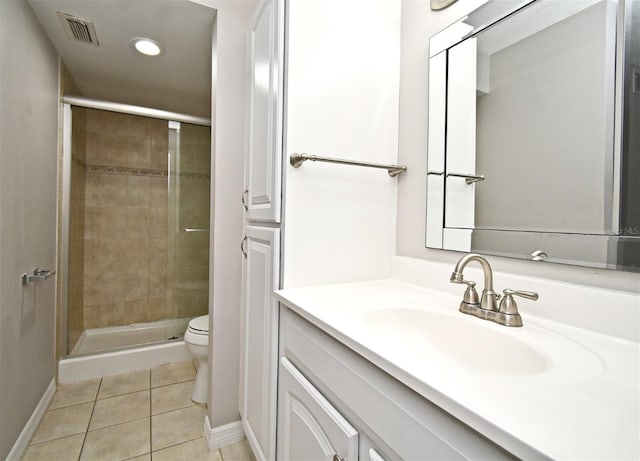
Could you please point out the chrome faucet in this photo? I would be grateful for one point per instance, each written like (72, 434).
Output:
(489, 299)
(487, 307)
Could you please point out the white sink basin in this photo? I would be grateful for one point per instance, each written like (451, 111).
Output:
(548, 389)
(468, 341)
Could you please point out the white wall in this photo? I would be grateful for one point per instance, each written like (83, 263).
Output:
(28, 155)
(342, 101)
(229, 80)
(418, 23)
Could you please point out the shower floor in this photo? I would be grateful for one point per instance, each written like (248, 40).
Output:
(107, 339)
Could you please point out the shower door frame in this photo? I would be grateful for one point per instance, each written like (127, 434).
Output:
(67, 103)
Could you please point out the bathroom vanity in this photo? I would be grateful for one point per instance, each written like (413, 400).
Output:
(391, 370)
(333, 399)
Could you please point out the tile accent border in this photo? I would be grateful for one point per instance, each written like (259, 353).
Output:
(22, 443)
(78, 161)
(142, 171)
(221, 436)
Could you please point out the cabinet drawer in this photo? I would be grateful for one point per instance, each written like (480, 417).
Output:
(399, 421)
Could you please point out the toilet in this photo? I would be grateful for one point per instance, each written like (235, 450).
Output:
(197, 340)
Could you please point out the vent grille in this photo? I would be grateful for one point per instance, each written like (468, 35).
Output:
(79, 29)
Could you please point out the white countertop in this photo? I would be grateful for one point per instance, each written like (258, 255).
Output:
(583, 402)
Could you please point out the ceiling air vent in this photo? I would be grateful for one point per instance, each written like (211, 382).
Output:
(79, 29)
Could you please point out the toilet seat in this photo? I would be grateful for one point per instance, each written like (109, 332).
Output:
(199, 325)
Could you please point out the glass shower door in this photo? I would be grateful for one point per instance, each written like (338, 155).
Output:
(189, 201)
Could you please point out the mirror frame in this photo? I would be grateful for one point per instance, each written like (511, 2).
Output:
(440, 237)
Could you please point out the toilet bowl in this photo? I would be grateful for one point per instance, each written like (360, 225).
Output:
(197, 340)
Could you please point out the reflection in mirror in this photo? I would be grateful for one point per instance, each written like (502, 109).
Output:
(523, 149)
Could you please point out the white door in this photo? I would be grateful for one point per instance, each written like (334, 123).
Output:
(309, 427)
(260, 339)
(263, 165)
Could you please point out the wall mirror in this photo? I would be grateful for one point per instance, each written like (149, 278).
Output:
(533, 145)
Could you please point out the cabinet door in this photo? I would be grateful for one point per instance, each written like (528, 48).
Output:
(309, 427)
(264, 159)
(368, 451)
(260, 340)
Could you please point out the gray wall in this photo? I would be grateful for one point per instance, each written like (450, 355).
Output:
(542, 130)
(225, 268)
(28, 150)
(418, 23)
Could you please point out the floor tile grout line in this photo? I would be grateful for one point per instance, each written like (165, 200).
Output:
(129, 392)
(70, 405)
(117, 424)
(89, 422)
(124, 393)
(173, 409)
(193, 378)
(31, 444)
(179, 443)
(173, 384)
(137, 456)
(177, 382)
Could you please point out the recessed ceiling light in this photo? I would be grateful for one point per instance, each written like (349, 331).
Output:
(146, 46)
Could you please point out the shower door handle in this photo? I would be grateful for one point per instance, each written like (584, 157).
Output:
(38, 274)
(244, 252)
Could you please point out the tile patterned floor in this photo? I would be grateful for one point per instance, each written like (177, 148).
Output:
(143, 415)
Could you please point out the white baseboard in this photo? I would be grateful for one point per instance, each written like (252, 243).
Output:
(220, 436)
(253, 441)
(22, 443)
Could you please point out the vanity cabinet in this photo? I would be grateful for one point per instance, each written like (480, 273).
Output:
(259, 352)
(261, 245)
(263, 163)
(388, 419)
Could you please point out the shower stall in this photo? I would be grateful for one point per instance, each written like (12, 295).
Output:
(134, 227)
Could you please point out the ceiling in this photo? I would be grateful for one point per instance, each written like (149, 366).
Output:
(179, 80)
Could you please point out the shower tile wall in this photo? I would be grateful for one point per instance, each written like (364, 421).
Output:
(126, 219)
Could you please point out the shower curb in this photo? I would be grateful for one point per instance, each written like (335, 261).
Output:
(110, 363)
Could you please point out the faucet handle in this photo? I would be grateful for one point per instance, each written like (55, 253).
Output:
(470, 294)
(508, 305)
